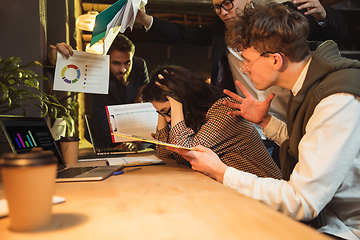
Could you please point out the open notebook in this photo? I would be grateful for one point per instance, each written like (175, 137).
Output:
(25, 133)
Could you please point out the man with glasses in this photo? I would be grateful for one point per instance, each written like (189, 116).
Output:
(320, 141)
(326, 23)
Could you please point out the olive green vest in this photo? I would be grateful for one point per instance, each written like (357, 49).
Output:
(328, 74)
(322, 80)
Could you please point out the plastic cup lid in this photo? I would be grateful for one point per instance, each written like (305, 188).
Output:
(27, 159)
(69, 139)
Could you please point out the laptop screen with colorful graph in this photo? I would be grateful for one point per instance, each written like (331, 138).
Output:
(24, 137)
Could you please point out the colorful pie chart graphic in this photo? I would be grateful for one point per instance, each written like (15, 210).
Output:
(70, 74)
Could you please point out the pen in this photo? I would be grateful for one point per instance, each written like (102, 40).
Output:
(126, 171)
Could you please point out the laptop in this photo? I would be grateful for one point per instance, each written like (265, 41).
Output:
(24, 133)
(105, 152)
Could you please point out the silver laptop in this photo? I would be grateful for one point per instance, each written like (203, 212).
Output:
(24, 133)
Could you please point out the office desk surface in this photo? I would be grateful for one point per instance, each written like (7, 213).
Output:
(167, 201)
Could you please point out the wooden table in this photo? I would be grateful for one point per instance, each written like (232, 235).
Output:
(167, 201)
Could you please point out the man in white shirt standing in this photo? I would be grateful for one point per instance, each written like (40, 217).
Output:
(320, 142)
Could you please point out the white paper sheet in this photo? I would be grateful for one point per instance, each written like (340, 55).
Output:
(112, 30)
(134, 119)
(82, 72)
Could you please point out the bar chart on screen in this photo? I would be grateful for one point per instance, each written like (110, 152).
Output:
(25, 141)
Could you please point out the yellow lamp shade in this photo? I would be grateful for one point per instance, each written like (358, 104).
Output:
(87, 21)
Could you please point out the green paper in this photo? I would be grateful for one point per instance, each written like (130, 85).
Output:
(103, 19)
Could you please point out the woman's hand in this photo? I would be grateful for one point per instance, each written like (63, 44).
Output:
(177, 113)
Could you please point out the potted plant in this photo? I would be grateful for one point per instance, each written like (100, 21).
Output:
(14, 77)
(63, 120)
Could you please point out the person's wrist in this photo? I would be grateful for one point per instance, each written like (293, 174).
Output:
(162, 123)
(265, 121)
(145, 20)
(221, 173)
(321, 18)
(323, 23)
(149, 21)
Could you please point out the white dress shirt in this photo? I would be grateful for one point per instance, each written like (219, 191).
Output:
(328, 171)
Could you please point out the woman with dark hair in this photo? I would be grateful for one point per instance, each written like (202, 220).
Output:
(194, 110)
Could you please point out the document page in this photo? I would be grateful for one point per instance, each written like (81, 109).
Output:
(133, 119)
(82, 72)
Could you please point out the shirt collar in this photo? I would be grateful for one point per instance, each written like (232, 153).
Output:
(237, 54)
(300, 81)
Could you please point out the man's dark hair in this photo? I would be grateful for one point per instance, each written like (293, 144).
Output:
(122, 44)
(271, 27)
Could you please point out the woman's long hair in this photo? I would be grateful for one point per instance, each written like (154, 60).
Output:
(193, 91)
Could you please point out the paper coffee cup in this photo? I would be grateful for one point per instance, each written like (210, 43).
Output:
(29, 182)
(70, 149)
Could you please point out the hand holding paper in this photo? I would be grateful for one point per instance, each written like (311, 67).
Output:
(82, 72)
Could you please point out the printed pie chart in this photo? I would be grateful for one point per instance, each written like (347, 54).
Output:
(70, 74)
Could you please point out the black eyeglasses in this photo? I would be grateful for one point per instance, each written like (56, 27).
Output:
(167, 114)
(226, 5)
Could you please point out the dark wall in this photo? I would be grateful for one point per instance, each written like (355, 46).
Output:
(22, 35)
(158, 51)
(25, 28)
(195, 59)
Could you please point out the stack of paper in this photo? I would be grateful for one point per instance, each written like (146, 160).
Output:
(115, 19)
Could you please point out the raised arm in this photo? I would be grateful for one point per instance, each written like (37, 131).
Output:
(178, 33)
(325, 22)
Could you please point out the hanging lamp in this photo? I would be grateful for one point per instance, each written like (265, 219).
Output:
(87, 21)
